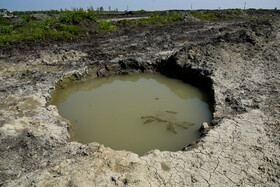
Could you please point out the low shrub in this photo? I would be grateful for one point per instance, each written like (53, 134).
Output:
(205, 16)
(42, 30)
(91, 16)
(159, 20)
(67, 28)
(26, 18)
(6, 29)
(76, 17)
(174, 17)
(66, 18)
(73, 30)
(106, 26)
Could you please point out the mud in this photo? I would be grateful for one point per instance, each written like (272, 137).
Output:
(238, 61)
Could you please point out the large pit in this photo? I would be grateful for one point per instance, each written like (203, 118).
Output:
(138, 112)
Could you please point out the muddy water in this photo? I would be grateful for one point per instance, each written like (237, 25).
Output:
(136, 113)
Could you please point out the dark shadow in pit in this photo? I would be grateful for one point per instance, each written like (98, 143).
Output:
(196, 77)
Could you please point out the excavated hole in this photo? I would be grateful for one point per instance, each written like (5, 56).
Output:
(138, 112)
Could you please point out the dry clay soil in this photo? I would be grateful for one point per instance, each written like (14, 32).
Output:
(237, 61)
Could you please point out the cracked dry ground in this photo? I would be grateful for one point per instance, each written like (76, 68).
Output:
(242, 148)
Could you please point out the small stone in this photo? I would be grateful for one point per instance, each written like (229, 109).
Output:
(55, 168)
(204, 126)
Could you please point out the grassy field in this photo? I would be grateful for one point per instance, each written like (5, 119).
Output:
(67, 25)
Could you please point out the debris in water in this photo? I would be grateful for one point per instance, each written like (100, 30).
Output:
(170, 127)
(167, 117)
(170, 112)
(150, 119)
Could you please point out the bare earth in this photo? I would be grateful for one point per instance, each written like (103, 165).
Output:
(238, 60)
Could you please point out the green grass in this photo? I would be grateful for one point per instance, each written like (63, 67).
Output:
(140, 12)
(63, 25)
(6, 29)
(67, 24)
(156, 19)
(76, 17)
(232, 14)
(74, 30)
(106, 26)
(4, 21)
(217, 15)
(205, 16)
(31, 31)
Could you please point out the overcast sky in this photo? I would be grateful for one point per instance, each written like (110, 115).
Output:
(137, 4)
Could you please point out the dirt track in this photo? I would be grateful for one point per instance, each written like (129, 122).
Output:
(121, 19)
(237, 60)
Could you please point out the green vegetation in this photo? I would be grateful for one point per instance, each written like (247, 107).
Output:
(65, 24)
(6, 29)
(159, 20)
(74, 30)
(41, 30)
(106, 26)
(59, 27)
(76, 17)
(140, 12)
(49, 12)
(28, 31)
(216, 15)
(233, 14)
(155, 19)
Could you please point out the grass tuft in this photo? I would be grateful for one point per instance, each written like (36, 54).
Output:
(106, 26)
(77, 16)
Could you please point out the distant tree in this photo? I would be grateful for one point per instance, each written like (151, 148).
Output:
(91, 8)
(109, 8)
(116, 10)
(101, 8)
